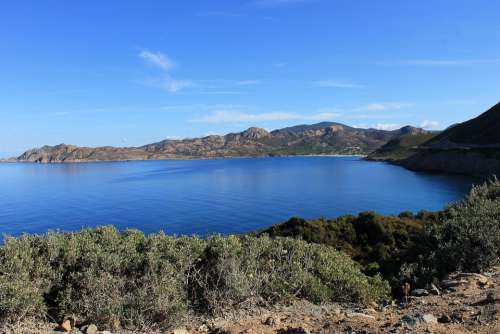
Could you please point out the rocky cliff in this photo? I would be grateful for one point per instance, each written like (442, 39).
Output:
(321, 138)
(472, 147)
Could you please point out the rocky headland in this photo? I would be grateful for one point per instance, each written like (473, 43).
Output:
(472, 147)
(319, 139)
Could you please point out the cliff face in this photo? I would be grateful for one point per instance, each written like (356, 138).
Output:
(472, 147)
(481, 162)
(321, 138)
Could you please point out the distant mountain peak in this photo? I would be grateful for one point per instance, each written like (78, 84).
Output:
(255, 133)
(411, 130)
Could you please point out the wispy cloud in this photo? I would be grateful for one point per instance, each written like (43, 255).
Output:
(157, 59)
(439, 62)
(383, 106)
(276, 3)
(429, 125)
(386, 126)
(165, 64)
(331, 83)
(219, 14)
(247, 82)
(236, 116)
(379, 126)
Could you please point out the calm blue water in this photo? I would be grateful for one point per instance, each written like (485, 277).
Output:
(211, 196)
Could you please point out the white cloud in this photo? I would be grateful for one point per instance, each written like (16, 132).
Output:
(330, 83)
(157, 59)
(379, 106)
(165, 64)
(386, 126)
(247, 82)
(174, 86)
(439, 62)
(236, 116)
(429, 125)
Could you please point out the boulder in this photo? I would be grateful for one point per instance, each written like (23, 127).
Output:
(429, 319)
(66, 325)
(89, 329)
(420, 292)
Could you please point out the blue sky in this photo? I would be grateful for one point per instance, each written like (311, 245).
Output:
(128, 73)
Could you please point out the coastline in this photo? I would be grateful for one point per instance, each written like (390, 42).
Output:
(191, 158)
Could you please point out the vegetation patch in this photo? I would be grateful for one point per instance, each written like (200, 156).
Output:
(412, 248)
(132, 280)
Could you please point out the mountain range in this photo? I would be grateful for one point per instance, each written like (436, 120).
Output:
(317, 139)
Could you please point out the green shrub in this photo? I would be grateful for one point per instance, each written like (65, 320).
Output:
(469, 239)
(248, 271)
(130, 280)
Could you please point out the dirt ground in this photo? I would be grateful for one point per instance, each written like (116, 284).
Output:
(468, 303)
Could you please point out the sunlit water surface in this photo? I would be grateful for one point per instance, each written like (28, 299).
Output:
(211, 196)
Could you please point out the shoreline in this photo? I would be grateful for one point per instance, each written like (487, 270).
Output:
(8, 161)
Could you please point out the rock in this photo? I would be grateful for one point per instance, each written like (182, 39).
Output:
(203, 328)
(444, 319)
(270, 321)
(360, 315)
(420, 292)
(336, 311)
(180, 331)
(434, 290)
(66, 325)
(452, 283)
(89, 329)
(219, 331)
(291, 330)
(410, 321)
(429, 318)
(492, 296)
(481, 279)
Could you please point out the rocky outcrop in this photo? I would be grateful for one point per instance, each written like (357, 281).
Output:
(321, 138)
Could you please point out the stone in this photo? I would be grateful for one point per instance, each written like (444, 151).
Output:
(203, 328)
(66, 325)
(434, 290)
(297, 330)
(429, 318)
(420, 292)
(360, 315)
(492, 296)
(180, 331)
(90, 329)
(481, 279)
(270, 321)
(444, 319)
(452, 283)
(410, 321)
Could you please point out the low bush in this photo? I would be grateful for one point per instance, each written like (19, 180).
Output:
(418, 248)
(468, 239)
(131, 280)
(381, 244)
